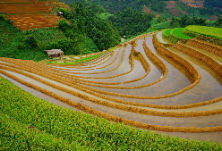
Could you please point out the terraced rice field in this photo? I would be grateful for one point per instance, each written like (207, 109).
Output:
(141, 83)
(194, 3)
(24, 22)
(31, 14)
(172, 8)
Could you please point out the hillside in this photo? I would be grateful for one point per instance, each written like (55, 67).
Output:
(164, 8)
(30, 14)
(78, 31)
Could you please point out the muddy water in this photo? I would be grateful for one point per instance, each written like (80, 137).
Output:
(92, 66)
(110, 67)
(130, 76)
(208, 88)
(124, 67)
(174, 81)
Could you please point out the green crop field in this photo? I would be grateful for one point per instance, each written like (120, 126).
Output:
(167, 32)
(28, 122)
(175, 35)
(178, 33)
(205, 31)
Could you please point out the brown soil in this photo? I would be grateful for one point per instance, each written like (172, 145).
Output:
(31, 14)
(194, 3)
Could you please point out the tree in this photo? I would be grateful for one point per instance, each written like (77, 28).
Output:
(218, 22)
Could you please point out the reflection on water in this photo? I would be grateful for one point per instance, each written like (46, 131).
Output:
(200, 64)
(177, 78)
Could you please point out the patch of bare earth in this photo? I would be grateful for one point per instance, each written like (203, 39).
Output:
(31, 14)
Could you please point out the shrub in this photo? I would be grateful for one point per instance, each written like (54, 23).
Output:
(63, 25)
(30, 40)
(66, 13)
(21, 46)
(3, 17)
(84, 51)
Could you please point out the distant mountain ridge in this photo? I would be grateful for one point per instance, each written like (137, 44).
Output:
(165, 8)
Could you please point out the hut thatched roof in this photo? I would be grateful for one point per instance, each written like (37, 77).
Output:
(54, 52)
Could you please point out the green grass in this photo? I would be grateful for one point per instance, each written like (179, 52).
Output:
(205, 31)
(55, 127)
(178, 33)
(167, 32)
(104, 15)
(159, 26)
(153, 22)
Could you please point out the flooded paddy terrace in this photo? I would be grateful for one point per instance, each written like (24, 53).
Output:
(131, 85)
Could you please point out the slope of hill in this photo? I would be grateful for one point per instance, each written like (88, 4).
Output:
(33, 13)
(165, 8)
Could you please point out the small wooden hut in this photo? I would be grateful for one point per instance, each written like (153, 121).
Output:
(54, 53)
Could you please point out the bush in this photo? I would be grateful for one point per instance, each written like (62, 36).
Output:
(66, 13)
(21, 46)
(30, 40)
(3, 17)
(63, 25)
(84, 51)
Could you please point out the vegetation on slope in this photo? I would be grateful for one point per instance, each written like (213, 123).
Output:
(16, 135)
(120, 5)
(156, 6)
(212, 32)
(178, 33)
(130, 23)
(167, 32)
(84, 20)
(218, 22)
(85, 33)
(29, 45)
(36, 120)
(175, 35)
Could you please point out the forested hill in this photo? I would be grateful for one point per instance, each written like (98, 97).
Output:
(213, 3)
(165, 8)
(119, 5)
